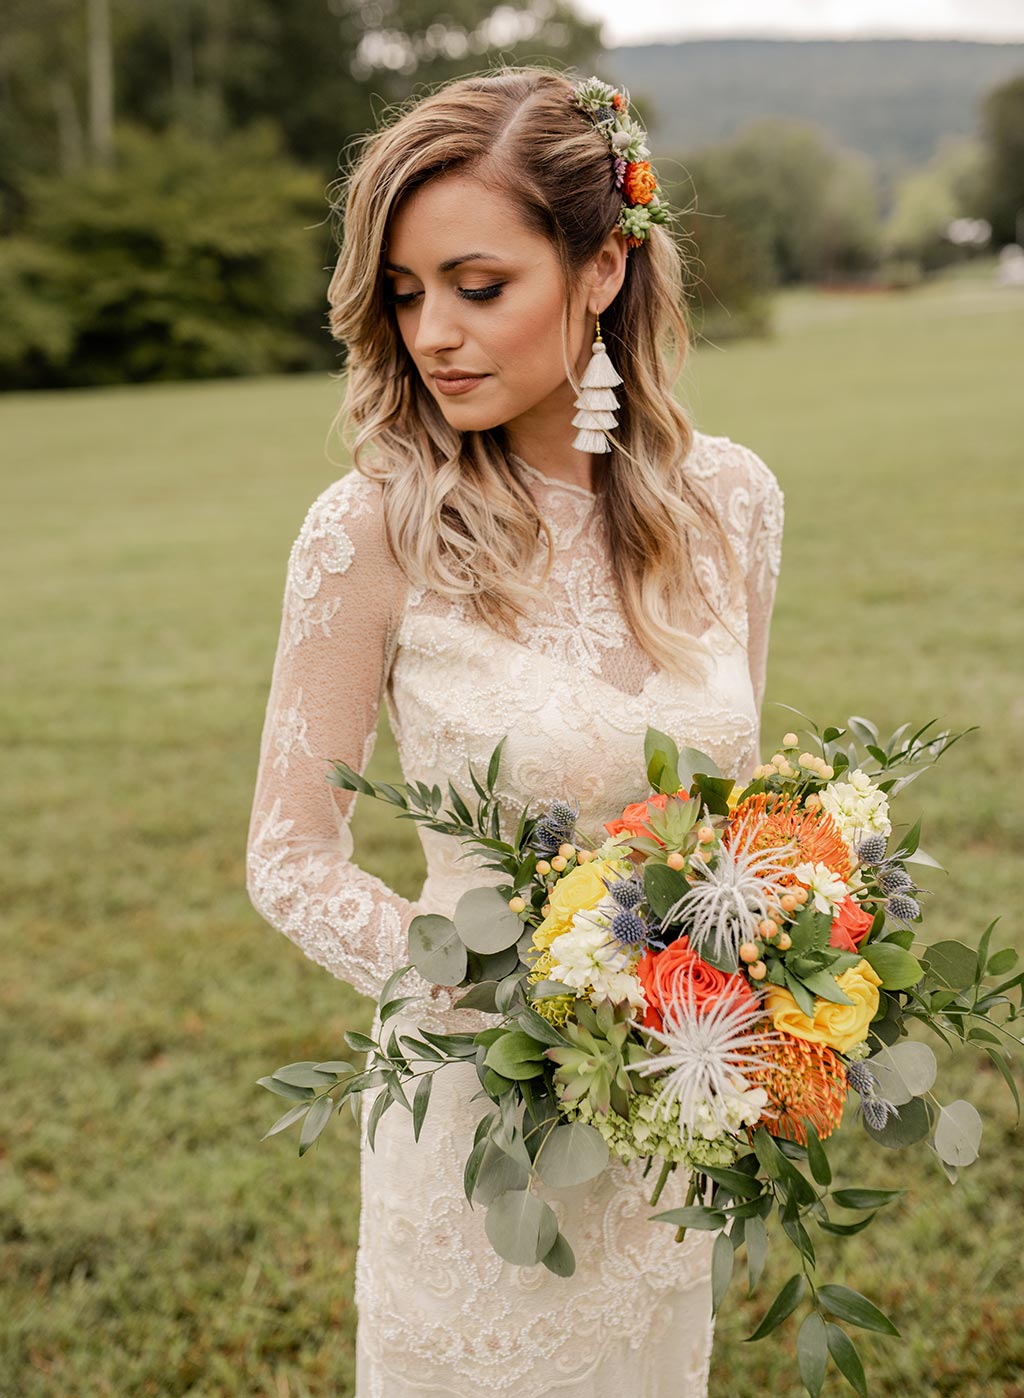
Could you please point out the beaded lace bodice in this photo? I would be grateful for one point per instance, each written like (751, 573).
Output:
(575, 694)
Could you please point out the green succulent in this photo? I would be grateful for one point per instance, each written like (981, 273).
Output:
(593, 1065)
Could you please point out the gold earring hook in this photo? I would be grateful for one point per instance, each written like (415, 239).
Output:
(598, 335)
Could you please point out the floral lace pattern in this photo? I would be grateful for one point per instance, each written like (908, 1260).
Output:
(439, 1313)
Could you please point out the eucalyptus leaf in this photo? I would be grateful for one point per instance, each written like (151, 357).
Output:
(951, 964)
(896, 968)
(847, 1360)
(521, 1228)
(958, 1133)
(304, 1074)
(850, 1305)
(784, 1305)
(285, 1121)
(721, 1270)
(317, 1118)
(285, 1089)
(436, 949)
(420, 1102)
(485, 922)
(755, 1235)
(571, 1155)
(560, 1259)
(904, 1071)
(913, 1124)
(497, 1173)
(479, 997)
(812, 1352)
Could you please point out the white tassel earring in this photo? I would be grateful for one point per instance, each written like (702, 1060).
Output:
(597, 401)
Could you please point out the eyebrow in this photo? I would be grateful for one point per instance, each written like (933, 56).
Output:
(448, 266)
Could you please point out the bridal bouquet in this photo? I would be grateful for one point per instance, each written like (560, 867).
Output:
(709, 986)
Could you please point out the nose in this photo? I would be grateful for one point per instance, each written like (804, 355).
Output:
(438, 326)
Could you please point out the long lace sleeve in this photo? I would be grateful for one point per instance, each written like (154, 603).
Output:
(343, 598)
(764, 557)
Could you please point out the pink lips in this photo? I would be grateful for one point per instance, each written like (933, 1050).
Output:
(459, 385)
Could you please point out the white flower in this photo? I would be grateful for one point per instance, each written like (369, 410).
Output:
(709, 1049)
(589, 960)
(827, 888)
(857, 807)
(730, 898)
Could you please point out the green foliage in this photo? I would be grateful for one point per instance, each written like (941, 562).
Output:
(189, 259)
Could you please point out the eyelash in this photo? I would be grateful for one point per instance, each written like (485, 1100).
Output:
(483, 293)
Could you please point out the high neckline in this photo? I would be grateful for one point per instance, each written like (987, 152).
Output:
(553, 480)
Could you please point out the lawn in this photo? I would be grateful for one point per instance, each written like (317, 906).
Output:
(152, 1244)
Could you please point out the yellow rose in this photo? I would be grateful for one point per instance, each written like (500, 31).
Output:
(583, 887)
(839, 1026)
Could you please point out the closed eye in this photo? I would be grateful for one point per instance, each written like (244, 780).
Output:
(481, 293)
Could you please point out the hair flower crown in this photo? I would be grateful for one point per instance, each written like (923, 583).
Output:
(642, 205)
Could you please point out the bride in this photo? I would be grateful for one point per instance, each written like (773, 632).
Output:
(502, 561)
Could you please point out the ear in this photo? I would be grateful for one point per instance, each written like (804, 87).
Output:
(608, 271)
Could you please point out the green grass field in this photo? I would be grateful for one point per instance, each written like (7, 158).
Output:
(151, 1244)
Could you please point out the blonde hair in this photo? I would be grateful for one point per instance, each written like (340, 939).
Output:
(459, 518)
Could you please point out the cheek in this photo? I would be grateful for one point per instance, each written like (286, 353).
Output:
(528, 343)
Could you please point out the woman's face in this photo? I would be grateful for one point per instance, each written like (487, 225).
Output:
(475, 291)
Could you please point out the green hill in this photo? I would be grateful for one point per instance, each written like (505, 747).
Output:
(893, 99)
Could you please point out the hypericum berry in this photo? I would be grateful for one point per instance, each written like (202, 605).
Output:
(877, 1111)
(903, 908)
(861, 1079)
(566, 850)
(758, 971)
(559, 863)
(871, 849)
(789, 740)
(749, 952)
(628, 928)
(895, 880)
(785, 941)
(517, 904)
(628, 893)
(543, 867)
(675, 860)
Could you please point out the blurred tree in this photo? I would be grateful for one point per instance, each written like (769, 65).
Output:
(926, 201)
(1003, 134)
(187, 260)
(775, 205)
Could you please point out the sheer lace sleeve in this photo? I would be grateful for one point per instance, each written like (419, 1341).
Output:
(764, 556)
(342, 602)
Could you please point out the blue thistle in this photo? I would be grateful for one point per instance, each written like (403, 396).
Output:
(871, 849)
(629, 928)
(861, 1079)
(628, 893)
(877, 1111)
(895, 880)
(903, 908)
(555, 828)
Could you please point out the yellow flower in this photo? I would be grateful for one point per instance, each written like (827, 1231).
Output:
(583, 887)
(838, 1026)
(733, 799)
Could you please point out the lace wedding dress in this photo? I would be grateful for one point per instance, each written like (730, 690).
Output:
(439, 1312)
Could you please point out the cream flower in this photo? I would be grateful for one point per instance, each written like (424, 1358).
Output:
(827, 889)
(857, 806)
(596, 966)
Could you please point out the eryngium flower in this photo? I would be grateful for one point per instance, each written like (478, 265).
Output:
(871, 849)
(555, 828)
(723, 908)
(710, 1052)
(628, 893)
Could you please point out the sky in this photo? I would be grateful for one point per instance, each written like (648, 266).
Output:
(643, 21)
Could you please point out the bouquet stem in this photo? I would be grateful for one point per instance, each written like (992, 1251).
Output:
(691, 1194)
(666, 1169)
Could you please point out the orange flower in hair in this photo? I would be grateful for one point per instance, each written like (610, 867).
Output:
(640, 184)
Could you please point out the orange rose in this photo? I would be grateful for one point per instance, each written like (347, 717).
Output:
(665, 976)
(633, 820)
(640, 184)
(850, 925)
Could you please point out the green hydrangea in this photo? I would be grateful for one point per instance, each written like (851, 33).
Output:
(650, 1129)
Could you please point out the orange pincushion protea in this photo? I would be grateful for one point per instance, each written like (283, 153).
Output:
(806, 1082)
(757, 825)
